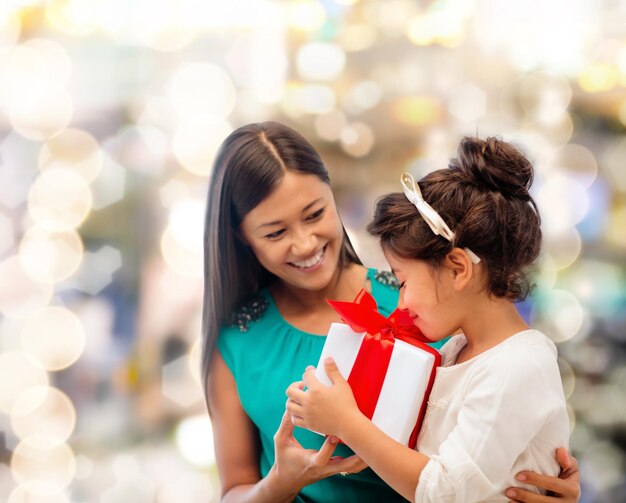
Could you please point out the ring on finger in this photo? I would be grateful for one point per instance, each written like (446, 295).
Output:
(343, 473)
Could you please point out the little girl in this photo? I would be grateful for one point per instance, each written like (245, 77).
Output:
(461, 243)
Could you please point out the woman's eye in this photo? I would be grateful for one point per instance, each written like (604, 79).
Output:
(275, 234)
(316, 215)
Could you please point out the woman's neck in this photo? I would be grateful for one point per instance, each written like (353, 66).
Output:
(344, 285)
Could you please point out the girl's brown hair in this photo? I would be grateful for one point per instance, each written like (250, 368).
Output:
(484, 198)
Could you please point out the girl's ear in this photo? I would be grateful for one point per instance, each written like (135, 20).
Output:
(459, 262)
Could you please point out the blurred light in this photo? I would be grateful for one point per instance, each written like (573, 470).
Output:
(357, 139)
(417, 110)
(568, 376)
(7, 239)
(141, 148)
(194, 361)
(575, 161)
(599, 286)
(196, 143)
(366, 94)
(184, 261)
(43, 406)
(311, 98)
(305, 15)
(616, 225)
(20, 295)
(29, 73)
(330, 125)
(10, 27)
(544, 97)
(571, 414)
(17, 169)
(164, 25)
(614, 164)
(59, 200)
(468, 102)
(562, 202)
(73, 17)
(187, 223)
(45, 470)
(50, 257)
(96, 271)
(194, 439)
(190, 487)
(22, 494)
(108, 188)
(598, 77)
(606, 462)
(18, 373)
(131, 484)
(560, 315)
(173, 192)
(546, 279)
(74, 150)
(563, 246)
(357, 37)
(55, 337)
(179, 384)
(203, 91)
(320, 61)
(40, 119)
(259, 62)
(443, 27)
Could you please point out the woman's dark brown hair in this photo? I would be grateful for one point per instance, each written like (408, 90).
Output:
(250, 164)
(484, 198)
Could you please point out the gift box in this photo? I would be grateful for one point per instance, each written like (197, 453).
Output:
(387, 363)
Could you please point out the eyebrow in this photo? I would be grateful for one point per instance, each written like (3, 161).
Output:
(306, 208)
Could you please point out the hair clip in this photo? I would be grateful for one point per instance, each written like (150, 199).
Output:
(428, 213)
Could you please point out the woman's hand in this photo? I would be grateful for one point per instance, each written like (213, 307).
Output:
(296, 467)
(325, 409)
(564, 488)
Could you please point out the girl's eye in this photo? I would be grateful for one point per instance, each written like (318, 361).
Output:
(275, 235)
(316, 215)
(402, 284)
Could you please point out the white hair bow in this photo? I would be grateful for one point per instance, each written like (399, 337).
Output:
(428, 213)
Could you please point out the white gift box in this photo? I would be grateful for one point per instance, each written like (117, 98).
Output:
(405, 384)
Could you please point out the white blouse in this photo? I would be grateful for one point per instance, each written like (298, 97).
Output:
(490, 417)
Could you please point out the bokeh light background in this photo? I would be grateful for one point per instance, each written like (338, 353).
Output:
(110, 115)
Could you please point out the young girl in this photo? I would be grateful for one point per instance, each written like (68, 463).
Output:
(460, 242)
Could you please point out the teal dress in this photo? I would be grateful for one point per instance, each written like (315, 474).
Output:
(265, 355)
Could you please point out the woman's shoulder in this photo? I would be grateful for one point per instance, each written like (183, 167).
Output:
(384, 278)
(385, 289)
(248, 312)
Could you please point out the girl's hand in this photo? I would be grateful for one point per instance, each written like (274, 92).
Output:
(296, 467)
(564, 488)
(325, 409)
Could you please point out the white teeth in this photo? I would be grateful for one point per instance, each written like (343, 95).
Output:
(312, 261)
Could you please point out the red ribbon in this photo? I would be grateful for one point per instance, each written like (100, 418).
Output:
(370, 366)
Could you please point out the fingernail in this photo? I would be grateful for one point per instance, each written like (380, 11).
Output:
(511, 493)
(309, 367)
(521, 476)
(329, 360)
(333, 440)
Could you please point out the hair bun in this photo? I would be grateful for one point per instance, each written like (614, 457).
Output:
(495, 165)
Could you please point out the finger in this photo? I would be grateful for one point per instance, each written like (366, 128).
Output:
(310, 381)
(294, 408)
(323, 456)
(351, 464)
(332, 371)
(564, 459)
(295, 391)
(517, 494)
(554, 484)
(285, 429)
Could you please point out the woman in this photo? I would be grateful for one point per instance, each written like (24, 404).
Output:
(275, 249)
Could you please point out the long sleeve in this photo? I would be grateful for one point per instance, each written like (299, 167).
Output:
(508, 402)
